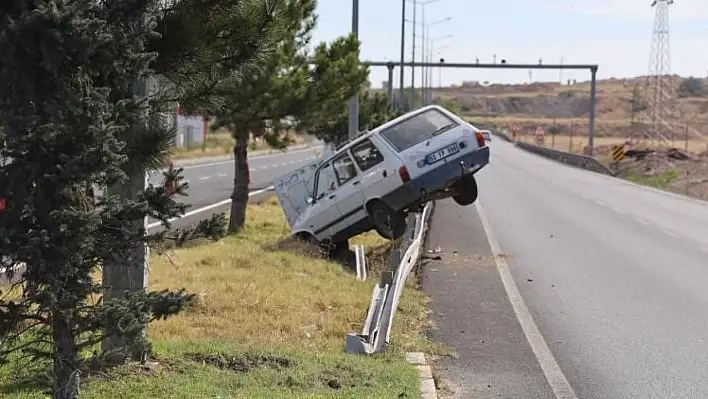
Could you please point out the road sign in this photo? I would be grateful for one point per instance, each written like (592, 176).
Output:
(617, 152)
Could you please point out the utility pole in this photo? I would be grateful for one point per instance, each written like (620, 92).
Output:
(402, 94)
(423, 54)
(354, 105)
(131, 274)
(415, 8)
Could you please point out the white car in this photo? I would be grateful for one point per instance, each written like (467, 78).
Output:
(373, 181)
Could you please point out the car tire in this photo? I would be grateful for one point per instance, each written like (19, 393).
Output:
(387, 222)
(467, 191)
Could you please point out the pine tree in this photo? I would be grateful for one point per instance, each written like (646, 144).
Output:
(70, 122)
(375, 109)
(286, 92)
(206, 47)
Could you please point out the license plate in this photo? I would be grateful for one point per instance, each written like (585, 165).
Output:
(442, 153)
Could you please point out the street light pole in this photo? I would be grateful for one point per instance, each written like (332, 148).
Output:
(402, 94)
(354, 105)
(415, 8)
(423, 54)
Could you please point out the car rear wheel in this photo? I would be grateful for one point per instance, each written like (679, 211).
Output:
(466, 191)
(387, 222)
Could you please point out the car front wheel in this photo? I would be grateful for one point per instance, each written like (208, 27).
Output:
(387, 222)
(466, 191)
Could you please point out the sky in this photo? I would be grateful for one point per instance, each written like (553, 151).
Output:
(615, 34)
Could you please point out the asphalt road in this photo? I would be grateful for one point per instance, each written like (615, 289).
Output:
(613, 274)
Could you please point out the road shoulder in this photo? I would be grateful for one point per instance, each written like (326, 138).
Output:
(473, 315)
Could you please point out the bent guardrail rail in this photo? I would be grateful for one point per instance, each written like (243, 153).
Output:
(577, 160)
(376, 333)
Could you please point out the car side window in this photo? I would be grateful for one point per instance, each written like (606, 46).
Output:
(326, 182)
(367, 155)
(344, 168)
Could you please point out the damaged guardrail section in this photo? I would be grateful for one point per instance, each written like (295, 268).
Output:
(577, 160)
(376, 332)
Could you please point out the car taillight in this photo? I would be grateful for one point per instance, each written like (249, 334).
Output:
(3, 204)
(403, 172)
(480, 139)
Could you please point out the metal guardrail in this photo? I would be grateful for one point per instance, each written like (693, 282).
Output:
(376, 332)
(577, 160)
(503, 135)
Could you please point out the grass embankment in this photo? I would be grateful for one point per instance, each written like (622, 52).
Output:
(221, 143)
(270, 322)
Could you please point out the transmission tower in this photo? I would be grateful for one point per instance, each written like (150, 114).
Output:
(658, 78)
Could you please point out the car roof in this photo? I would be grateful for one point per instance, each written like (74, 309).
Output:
(392, 122)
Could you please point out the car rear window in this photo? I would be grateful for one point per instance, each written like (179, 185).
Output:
(417, 129)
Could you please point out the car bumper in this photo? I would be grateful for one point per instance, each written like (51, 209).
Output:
(437, 179)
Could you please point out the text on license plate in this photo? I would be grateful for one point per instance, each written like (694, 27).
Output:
(442, 153)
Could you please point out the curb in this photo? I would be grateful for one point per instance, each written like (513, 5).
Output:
(427, 383)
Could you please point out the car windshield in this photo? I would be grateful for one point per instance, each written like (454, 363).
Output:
(417, 129)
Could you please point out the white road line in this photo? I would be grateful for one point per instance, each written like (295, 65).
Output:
(599, 202)
(205, 178)
(212, 206)
(642, 221)
(617, 210)
(222, 175)
(283, 164)
(671, 233)
(556, 379)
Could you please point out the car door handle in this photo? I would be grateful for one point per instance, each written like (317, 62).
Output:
(355, 183)
(385, 173)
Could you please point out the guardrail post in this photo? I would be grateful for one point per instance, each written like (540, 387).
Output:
(395, 259)
(386, 278)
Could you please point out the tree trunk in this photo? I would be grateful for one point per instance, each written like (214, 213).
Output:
(239, 197)
(66, 359)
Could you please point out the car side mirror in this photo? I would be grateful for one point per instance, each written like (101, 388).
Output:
(310, 200)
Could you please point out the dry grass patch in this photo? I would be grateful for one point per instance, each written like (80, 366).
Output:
(275, 294)
(274, 289)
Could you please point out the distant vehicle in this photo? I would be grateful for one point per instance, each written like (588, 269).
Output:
(487, 135)
(373, 181)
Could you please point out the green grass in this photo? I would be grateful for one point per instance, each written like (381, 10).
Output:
(662, 181)
(259, 293)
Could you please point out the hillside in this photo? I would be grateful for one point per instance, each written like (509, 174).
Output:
(538, 104)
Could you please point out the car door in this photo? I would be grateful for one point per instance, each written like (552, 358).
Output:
(379, 176)
(324, 213)
(349, 197)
